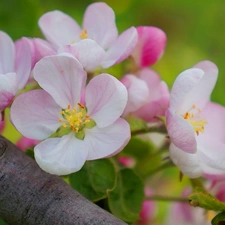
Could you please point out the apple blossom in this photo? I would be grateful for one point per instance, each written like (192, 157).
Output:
(24, 143)
(195, 125)
(15, 66)
(148, 96)
(96, 43)
(150, 47)
(87, 119)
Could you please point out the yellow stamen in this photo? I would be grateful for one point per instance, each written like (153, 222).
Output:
(83, 34)
(194, 119)
(74, 118)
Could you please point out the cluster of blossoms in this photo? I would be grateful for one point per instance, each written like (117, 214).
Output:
(76, 114)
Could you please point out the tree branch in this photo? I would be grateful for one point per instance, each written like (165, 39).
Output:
(30, 196)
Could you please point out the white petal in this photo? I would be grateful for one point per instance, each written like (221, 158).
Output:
(99, 21)
(106, 98)
(189, 164)
(108, 141)
(35, 114)
(59, 28)
(63, 77)
(7, 54)
(61, 156)
(88, 53)
(184, 83)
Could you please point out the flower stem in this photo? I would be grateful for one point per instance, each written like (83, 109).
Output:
(167, 199)
(159, 128)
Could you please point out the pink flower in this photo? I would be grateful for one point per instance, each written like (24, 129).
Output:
(25, 143)
(15, 66)
(138, 93)
(150, 47)
(96, 43)
(184, 214)
(148, 96)
(148, 209)
(127, 161)
(195, 125)
(88, 119)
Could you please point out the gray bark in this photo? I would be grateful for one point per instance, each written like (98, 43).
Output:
(31, 196)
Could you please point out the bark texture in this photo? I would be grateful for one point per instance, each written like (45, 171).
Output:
(31, 196)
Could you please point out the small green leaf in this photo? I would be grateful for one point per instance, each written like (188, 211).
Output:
(126, 198)
(204, 200)
(219, 219)
(80, 135)
(90, 124)
(94, 179)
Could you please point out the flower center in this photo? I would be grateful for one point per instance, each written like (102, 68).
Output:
(193, 117)
(76, 119)
(83, 34)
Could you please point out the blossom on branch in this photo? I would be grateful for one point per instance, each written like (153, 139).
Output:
(15, 66)
(94, 44)
(86, 120)
(195, 125)
(148, 95)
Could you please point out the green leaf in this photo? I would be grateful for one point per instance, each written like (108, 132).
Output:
(94, 179)
(204, 200)
(126, 198)
(219, 219)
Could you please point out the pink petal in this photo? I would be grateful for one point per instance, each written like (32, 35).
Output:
(99, 21)
(147, 212)
(138, 93)
(61, 156)
(63, 77)
(7, 54)
(88, 53)
(214, 114)
(184, 84)
(22, 62)
(59, 28)
(181, 132)
(200, 94)
(107, 141)
(106, 98)
(35, 114)
(150, 47)
(188, 164)
(8, 89)
(127, 161)
(150, 111)
(121, 48)
(39, 49)
(25, 143)
(159, 95)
